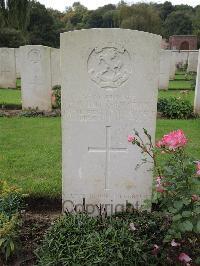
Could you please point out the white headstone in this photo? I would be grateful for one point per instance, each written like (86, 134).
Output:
(36, 77)
(165, 61)
(197, 90)
(7, 68)
(193, 61)
(18, 62)
(181, 57)
(109, 88)
(55, 67)
(173, 65)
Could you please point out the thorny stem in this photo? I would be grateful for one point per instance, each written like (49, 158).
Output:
(153, 156)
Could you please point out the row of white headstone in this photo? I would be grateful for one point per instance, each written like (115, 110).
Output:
(39, 69)
(170, 59)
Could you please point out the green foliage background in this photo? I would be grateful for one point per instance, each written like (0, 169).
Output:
(29, 22)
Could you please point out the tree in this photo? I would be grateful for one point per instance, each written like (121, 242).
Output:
(76, 16)
(142, 17)
(178, 23)
(95, 19)
(166, 9)
(196, 24)
(11, 38)
(16, 13)
(42, 29)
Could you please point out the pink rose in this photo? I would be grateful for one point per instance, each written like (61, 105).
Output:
(184, 257)
(173, 140)
(131, 138)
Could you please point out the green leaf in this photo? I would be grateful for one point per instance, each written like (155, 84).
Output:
(172, 210)
(186, 213)
(186, 202)
(176, 217)
(198, 227)
(178, 205)
(197, 210)
(120, 255)
(12, 246)
(186, 226)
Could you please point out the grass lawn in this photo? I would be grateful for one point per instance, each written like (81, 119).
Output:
(10, 96)
(182, 76)
(30, 151)
(179, 77)
(30, 154)
(180, 84)
(177, 93)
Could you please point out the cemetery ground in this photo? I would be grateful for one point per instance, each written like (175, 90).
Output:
(30, 158)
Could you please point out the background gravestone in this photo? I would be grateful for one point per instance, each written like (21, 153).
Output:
(181, 57)
(36, 77)
(172, 65)
(109, 88)
(18, 62)
(197, 90)
(7, 68)
(165, 57)
(55, 67)
(192, 61)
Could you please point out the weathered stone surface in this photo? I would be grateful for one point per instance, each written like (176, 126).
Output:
(36, 77)
(109, 88)
(172, 65)
(7, 68)
(197, 90)
(192, 61)
(55, 67)
(181, 57)
(18, 62)
(165, 61)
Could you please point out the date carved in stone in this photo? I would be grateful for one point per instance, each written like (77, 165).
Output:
(109, 67)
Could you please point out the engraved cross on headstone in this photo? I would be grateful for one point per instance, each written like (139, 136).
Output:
(107, 150)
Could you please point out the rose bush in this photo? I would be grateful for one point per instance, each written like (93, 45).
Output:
(176, 191)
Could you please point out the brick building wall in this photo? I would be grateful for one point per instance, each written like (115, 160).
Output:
(183, 42)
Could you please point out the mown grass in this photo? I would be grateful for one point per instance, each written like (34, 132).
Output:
(180, 85)
(30, 151)
(30, 155)
(10, 96)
